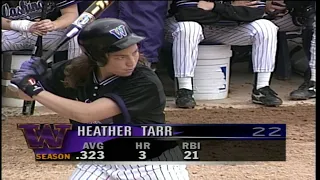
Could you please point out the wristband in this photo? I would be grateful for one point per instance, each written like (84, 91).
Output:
(32, 90)
(32, 87)
(21, 25)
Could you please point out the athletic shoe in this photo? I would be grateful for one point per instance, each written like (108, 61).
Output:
(185, 99)
(3, 117)
(305, 91)
(265, 96)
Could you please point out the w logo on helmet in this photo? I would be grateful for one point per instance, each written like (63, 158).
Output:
(119, 32)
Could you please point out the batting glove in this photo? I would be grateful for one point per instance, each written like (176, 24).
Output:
(35, 64)
(26, 82)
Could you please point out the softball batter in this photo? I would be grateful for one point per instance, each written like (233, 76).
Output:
(106, 84)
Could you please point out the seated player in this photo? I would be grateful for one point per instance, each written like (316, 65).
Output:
(21, 25)
(292, 16)
(308, 89)
(237, 23)
(108, 82)
(146, 18)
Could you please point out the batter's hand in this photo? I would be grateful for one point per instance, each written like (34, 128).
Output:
(45, 25)
(36, 31)
(26, 82)
(24, 96)
(276, 8)
(35, 65)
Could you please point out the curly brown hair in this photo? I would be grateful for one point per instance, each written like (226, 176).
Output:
(79, 70)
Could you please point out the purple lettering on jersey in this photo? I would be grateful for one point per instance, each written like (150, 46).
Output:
(25, 10)
(5, 10)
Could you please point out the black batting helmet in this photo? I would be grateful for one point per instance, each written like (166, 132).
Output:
(106, 35)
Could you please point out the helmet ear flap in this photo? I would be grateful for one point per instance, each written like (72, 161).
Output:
(90, 57)
(100, 60)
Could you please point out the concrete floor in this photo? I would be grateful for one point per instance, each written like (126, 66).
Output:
(239, 92)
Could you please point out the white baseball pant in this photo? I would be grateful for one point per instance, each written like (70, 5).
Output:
(312, 62)
(15, 40)
(285, 24)
(261, 34)
(89, 171)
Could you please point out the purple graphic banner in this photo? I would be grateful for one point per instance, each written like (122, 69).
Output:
(68, 138)
(63, 138)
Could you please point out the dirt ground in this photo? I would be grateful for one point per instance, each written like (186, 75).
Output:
(18, 161)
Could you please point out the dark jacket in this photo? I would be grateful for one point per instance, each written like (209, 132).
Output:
(223, 13)
(301, 9)
(303, 12)
(146, 18)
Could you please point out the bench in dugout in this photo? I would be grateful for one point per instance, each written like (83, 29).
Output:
(11, 61)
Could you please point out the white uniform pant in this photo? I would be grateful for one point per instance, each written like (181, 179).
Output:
(89, 171)
(285, 24)
(15, 40)
(312, 62)
(186, 36)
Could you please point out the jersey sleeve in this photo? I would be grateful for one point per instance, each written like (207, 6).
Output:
(238, 13)
(141, 97)
(52, 80)
(65, 3)
(223, 13)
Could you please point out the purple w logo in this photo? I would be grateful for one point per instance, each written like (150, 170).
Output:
(36, 136)
(119, 32)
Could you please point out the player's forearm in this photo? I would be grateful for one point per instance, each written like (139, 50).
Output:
(238, 13)
(70, 109)
(82, 112)
(65, 20)
(17, 25)
(68, 16)
(5, 23)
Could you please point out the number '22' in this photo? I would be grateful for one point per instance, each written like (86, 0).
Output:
(271, 132)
